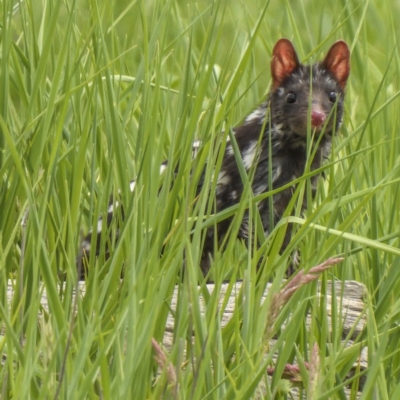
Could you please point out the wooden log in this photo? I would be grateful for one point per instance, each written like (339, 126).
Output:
(351, 303)
(348, 298)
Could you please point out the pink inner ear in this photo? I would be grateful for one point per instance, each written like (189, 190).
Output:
(337, 61)
(284, 61)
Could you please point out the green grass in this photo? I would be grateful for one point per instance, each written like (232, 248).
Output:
(96, 93)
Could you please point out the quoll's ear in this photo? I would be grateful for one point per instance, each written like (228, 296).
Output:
(337, 61)
(284, 61)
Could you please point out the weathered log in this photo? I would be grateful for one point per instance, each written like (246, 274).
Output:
(348, 297)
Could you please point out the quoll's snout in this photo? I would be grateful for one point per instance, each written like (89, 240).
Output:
(317, 118)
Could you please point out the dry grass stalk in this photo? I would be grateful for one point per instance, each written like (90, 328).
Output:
(162, 360)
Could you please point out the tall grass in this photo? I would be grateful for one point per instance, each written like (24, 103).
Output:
(96, 93)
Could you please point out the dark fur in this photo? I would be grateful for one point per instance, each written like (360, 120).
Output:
(283, 125)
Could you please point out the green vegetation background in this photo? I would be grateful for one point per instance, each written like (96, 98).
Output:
(96, 93)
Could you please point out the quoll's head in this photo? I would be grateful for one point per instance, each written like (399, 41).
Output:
(309, 95)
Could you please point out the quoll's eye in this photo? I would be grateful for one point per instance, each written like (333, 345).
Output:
(332, 96)
(291, 97)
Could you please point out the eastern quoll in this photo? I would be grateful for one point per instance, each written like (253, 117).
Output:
(302, 99)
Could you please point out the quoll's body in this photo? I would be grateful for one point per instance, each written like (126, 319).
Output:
(303, 99)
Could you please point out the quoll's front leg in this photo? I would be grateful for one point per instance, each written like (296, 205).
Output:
(103, 234)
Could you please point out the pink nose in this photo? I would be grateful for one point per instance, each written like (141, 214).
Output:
(317, 118)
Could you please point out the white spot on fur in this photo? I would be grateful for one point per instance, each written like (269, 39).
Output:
(99, 226)
(260, 189)
(256, 114)
(249, 155)
(86, 246)
(111, 207)
(163, 167)
(196, 143)
(223, 179)
(229, 150)
(132, 186)
(276, 173)
(244, 228)
(195, 147)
